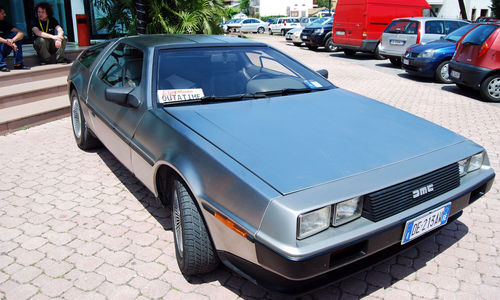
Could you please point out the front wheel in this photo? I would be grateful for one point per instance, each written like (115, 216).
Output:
(329, 45)
(490, 88)
(261, 30)
(193, 248)
(441, 75)
(83, 137)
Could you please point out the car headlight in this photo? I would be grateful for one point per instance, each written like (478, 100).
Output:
(346, 211)
(321, 30)
(471, 164)
(427, 53)
(313, 222)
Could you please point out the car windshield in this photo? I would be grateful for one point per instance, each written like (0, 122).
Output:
(478, 35)
(402, 26)
(457, 34)
(231, 73)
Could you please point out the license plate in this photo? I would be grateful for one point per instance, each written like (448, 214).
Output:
(405, 61)
(340, 33)
(396, 42)
(455, 74)
(425, 223)
(304, 37)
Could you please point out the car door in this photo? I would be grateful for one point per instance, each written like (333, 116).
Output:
(115, 123)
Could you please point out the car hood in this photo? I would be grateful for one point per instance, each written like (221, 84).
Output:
(436, 45)
(299, 141)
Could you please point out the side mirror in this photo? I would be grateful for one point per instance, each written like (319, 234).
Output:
(323, 73)
(122, 96)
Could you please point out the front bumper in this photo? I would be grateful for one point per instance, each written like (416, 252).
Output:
(470, 75)
(424, 67)
(280, 272)
(316, 39)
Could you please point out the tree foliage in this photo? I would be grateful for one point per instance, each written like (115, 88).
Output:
(120, 17)
(495, 7)
(323, 3)
(245, 6)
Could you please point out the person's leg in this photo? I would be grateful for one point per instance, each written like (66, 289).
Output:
(60, 52)
(4, 52)
(18, 55)
(42, 46)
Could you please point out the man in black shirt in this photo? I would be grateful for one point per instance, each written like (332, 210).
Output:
(10, 39)
(51, 39)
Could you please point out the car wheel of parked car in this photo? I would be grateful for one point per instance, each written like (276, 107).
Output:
(329, 45)
(441, 75)
(377, 53)
(349, 52)
(283, 32)
(395, 61)
(490, 88)
(310, 47)
(297, 44)
(193, 248)
(270, 32)
(83, 136)
(261, 30)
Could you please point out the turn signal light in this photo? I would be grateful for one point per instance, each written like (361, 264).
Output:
(231, 224)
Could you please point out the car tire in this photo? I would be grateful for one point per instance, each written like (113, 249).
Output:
(329, 47)
(349, 52)
(270, 32)
(283, 32)
(84, 138)
(193, 247)
(490, 88)
(377, 53)
(441, 75)
(261, 30)
(395, 61)
(314, 48)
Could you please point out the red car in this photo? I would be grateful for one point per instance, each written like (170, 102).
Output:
(476, 63)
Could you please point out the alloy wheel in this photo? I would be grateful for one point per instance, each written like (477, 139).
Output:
(75, 118)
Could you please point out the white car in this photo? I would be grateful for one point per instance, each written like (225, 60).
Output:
(293, 36)
(253, 25)
(235, 26)
(282, 25)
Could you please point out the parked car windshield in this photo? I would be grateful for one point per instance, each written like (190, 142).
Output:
(459, 33)
(319, 21)
(227, 73)
(402, 26)
(479, 35)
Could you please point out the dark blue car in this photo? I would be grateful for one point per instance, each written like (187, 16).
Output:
(431, 59)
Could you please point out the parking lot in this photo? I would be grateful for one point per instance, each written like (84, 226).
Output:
(78, 225)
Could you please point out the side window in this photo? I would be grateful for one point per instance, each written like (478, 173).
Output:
(123, 67)
(434, 27)
(280, 21)
(89, 56)
(452, 26)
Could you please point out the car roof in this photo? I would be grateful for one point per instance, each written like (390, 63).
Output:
(429, 19)
(187, 40)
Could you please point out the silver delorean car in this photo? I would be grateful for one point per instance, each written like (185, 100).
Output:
(266, 166)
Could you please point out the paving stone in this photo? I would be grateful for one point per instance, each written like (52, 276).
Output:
(55, 287)
(26, 257)
(16, 291)
(149, 270)
(26, 274)
(122, 292)
(155, 289)
(115, 258)
(89, 281)
(86, 263)
(116, 275)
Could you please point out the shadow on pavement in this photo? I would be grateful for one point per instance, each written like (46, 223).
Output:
(381, 275)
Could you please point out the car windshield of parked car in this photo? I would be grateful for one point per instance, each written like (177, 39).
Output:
(402, 26)
(231, 73)
(459, 33)
(319, 21)
(478, 35)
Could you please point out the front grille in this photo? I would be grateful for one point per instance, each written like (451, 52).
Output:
(397, 198)
(413, 54)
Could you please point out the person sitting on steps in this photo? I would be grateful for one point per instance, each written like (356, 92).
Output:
(10, 39)
(50, 35)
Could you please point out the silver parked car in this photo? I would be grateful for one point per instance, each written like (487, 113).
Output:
(401, 33)
(266, 166)
(253, 25)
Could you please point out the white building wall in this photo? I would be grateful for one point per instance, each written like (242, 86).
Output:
(451, 9)
(77, 8)
(283, 7)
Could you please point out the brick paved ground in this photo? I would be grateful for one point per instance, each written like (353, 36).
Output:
(78, 225)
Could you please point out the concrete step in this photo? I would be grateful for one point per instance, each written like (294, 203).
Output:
(36, 73)
(24, 93)
(33, 113)
(33, 60)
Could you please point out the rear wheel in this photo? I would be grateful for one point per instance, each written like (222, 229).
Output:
(395, 61)
(441, 75)
(261, 30)
(193, 248)
(349, 52)
(83, 136)
(490, 88)
(329, 45)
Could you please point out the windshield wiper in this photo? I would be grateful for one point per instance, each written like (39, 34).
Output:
(230, 97)
(289, 91)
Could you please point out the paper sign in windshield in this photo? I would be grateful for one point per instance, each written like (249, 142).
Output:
(170, 96)
(313, 84)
